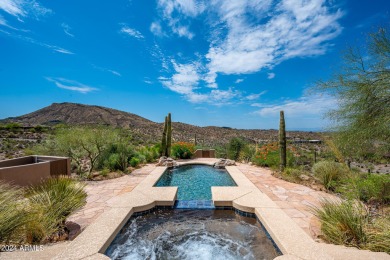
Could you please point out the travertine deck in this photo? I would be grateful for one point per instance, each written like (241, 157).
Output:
(101, 194)
(280, 206)
(293, 198)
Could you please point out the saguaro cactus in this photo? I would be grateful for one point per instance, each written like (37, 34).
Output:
(282, 142)
(164, 138)
(195, 143)
(169, 135)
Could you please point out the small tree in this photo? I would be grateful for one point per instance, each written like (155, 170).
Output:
(81, 143)
(362, 90)
(234, 148)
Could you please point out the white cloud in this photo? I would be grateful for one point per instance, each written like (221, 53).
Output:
(33, 41)
(3, 21)
(314, 105)
(132, 32)
(71, 85)
(271, 75)
(185, 81)
(67, 29)
(293, 28)
(255, 96)
(174, 11)
(156, 29)
(23, 8)
(116, 73)
(57, 49)
(239, 81)
(250, 35)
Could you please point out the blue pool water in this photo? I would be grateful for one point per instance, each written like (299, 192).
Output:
(194, 182)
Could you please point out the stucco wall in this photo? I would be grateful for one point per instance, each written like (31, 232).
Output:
(31, 170)
(25, 175)
(199, 153)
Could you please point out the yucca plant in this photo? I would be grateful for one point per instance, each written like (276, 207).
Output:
(50, 204)
(343, 222)
(12, 215)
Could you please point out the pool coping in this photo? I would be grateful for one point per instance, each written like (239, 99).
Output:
(293, 242)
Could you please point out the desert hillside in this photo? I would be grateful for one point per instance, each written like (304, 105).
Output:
(79, 114)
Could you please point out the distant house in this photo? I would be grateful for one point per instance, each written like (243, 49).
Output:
(301, 141)
(31, 170)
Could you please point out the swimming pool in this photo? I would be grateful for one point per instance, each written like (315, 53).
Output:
(194, 182)
(192, 234)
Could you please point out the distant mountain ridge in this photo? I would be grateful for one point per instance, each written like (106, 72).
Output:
(80, 114)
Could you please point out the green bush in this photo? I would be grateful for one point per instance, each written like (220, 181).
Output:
(291, 174)
(234, 148)
(247, 153)
(13, 126)
(329, 173)
(113, 162)
(50, 203)
(149, 153)
(182, 150)
(374, 187)
(12, 214)
(116, 157)
(134, 162)
(268, 155)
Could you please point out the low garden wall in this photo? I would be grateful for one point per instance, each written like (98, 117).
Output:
(31, 170)
(200, 153)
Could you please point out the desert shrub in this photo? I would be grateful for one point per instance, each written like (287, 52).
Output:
(149, 153)
(12, 215)
(13, 126)
(343, 223)
(268, 156)
(348, 223)
(50, 203)
(329, 173)
(234, 148)
(374, 187)
(221, 152)
(116, 156)
(113, 162)
(291, 174)
(134, 162)
(378, 235)
(105, 172)
(182, 150)
(247, 153)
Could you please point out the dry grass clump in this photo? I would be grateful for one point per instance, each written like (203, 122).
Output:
(32, 216)
(349, 223)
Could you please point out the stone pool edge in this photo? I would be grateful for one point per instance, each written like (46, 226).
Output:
(289, 237)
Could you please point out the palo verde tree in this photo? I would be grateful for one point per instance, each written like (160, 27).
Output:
(361, 119)
(80, 143)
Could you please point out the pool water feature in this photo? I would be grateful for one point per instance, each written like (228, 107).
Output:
(192, 234)
(194, 182)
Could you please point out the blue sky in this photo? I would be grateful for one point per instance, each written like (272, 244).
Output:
(217, 62)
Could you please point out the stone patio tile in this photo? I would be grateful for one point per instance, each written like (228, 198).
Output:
(294, 213)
